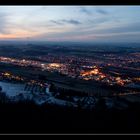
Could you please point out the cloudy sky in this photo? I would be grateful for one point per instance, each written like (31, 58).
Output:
(70, 23)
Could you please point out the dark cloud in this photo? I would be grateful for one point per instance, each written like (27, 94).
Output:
(64, 21)
(85, 10)
(75, 22)
(56, 22)
(103, 12)
(129, 32)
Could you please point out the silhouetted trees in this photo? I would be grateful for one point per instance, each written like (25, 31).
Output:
(3, 97)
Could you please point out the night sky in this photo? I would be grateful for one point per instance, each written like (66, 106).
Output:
(70, 23)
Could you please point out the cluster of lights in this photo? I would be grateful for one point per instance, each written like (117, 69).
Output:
(10, 76)
(99, 76)
(119, 81)
(85, 71)
(91, 72)
(137, 79)
(54, 65)
(6, 74)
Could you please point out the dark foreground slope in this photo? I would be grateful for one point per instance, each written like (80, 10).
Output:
(26, 117)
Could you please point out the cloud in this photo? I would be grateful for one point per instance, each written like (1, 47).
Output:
(71, 21)
(119, 37)
(124, 28)
(130, 32)
(101, 11)
(64, 21)
(56, 22)
(85, 10)
(3, 23)
(98, 21)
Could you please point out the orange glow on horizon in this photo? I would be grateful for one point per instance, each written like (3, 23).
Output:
(8, 36)
(19, 34)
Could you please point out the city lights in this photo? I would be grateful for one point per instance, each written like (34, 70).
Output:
(81, 71)
(54, 65)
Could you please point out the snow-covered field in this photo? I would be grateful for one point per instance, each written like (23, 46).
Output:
(12, 89)
(16, 92)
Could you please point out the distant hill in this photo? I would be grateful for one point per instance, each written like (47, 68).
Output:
(22, 49)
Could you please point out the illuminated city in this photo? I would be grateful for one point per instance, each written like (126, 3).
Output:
(70, 69)
(81, 71)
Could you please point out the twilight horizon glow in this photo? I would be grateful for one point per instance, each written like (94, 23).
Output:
(70, 23)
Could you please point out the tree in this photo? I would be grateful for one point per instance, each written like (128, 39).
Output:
(3, 97)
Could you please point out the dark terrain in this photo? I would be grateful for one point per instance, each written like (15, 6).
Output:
(27, 117)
